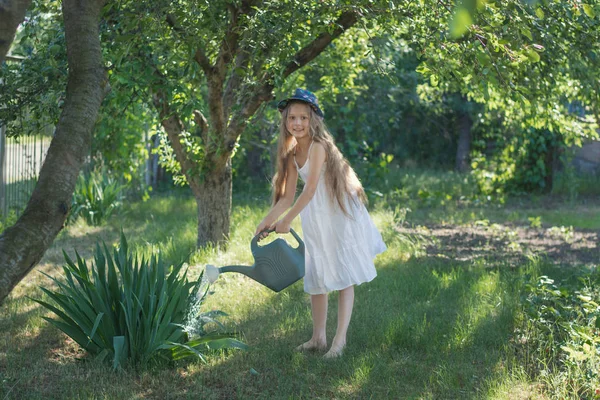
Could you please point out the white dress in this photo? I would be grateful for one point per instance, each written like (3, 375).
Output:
(339, 249)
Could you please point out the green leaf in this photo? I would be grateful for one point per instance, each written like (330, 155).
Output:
(433, 79)
(540, 13)
(526, 32)
(460, 23)
(532, 55)
(96, 324)
(589, 10)
(119, 351)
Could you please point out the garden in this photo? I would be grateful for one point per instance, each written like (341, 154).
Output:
(464, 121)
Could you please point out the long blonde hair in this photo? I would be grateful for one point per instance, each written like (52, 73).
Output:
(340, 178)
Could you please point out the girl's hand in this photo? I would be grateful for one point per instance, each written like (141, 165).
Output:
(262, 227)
(282, 226)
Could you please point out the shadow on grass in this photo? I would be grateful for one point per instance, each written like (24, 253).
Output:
(438, 338)
(418, 330)
(427, 328)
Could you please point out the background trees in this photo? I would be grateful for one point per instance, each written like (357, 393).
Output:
(468, 85)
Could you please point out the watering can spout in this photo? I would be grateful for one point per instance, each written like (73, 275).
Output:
(212, 272)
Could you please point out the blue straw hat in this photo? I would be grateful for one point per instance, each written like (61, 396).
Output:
(304, 96)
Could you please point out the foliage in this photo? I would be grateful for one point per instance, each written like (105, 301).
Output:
(562, 333)
(129, 309)
(7, 220)
(518, 67)
(518, 60)
(97, 196)
(33, 90)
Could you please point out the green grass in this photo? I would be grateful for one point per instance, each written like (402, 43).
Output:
(428, 327)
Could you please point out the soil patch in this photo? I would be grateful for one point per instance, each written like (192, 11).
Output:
(560, 245)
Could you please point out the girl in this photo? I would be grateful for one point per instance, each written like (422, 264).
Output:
(340, 237)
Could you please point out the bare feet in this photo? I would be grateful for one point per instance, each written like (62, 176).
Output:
(335, 351)
(312, 344)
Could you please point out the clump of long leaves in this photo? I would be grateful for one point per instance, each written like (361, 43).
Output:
(97, 196)
(562, 332)
(130, 309)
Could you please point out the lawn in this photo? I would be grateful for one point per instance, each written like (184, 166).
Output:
(439, 321)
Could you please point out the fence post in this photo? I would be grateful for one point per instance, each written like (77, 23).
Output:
(3, 203)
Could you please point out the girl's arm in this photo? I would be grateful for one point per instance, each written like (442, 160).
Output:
(316, 160)
(285, 201)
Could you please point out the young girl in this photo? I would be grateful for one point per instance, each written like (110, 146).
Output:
(340, 237)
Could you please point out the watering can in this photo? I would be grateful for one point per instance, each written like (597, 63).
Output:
(277, 265)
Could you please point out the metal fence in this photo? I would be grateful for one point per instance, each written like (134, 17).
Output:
(20, 163)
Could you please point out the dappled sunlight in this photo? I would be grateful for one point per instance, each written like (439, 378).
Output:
(434, 323)
(480, 306)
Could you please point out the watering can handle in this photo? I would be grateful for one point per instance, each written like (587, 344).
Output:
(254, 243)
(300, 242)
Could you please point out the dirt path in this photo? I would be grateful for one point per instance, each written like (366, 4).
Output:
(512, 244)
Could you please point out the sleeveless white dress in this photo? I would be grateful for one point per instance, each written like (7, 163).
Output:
(339, 249)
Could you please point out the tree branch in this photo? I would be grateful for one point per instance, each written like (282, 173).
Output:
(12, 13)
(203, 61)
(229, 44)
(313, 49)
(235, 80)
(264, 92)
(172, 124)
(242, 57)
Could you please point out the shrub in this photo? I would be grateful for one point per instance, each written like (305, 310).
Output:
(96, 197)
(129, 309)
(562, 334)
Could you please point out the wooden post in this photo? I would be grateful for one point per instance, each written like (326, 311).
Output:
(3, 203)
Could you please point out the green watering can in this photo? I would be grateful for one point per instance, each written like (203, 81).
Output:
(276, 265)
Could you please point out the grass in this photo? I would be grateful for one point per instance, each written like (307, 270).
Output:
(451, 198)
(428, 327)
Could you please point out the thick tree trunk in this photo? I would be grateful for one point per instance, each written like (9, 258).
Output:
(12, 13)
(213, 199)
(210, 182)
(464, 143)
(23, 245)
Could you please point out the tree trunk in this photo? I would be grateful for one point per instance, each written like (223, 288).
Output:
(210, 182)
(12, 13)
(23, 245)
(213, 199)
(464, 143)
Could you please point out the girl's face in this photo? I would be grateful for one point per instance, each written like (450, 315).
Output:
(298, 120)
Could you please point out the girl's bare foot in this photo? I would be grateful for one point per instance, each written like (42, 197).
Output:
(335, 351)
(312, 344)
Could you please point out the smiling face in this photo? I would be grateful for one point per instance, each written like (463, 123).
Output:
(298, 120)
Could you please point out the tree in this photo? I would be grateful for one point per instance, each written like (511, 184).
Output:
(23, 244)
(242, 51)
(206, 67)
(12, 13)
(529, 61)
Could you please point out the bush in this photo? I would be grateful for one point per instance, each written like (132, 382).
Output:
(561, 333)
(131, 310)
(96, 198)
